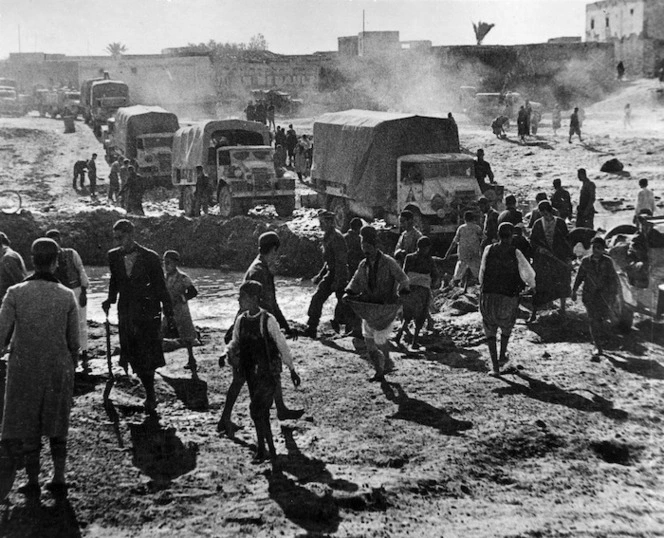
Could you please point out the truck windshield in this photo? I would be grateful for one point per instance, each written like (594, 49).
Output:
(73, 95)
(464, 168)
(253, 155)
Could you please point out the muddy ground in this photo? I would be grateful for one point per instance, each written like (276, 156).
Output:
(563, 446)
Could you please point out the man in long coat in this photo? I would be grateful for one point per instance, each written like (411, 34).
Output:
(138, 279)
(41, 317)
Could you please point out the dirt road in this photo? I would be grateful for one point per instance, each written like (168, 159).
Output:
(563, 446)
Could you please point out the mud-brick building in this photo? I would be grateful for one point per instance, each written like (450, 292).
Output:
(634, 27)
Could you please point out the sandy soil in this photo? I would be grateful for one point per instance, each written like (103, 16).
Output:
(561, 447)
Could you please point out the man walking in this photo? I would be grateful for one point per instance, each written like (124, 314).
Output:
(138, 280)
(71, 274)
(377, 281)
(490, 227)
(503, 271)
(92, 175)
(561, 200)
(645, 199)
(261, 271)
(12, 267)
(114, 180)
(511, 213)
(575, 125)
(585, 211)
(203, 192)
(41, 319)
(407, 243)
(332, 277)
(482, 171)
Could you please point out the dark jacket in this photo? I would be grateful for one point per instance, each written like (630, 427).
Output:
(260, 272)
(560, 248)
(501, 275)
(140, 298)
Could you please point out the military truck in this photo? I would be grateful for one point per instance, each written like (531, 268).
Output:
(100, 99)
(61, 102)
(376, 164)
(143, 133)
(282, 101)
(239, 160)
(10, 105)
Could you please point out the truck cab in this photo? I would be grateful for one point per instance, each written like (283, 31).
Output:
(438, 189)
(153, 154)
(9, 103)
(246, 177)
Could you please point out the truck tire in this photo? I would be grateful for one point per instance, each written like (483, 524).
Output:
(342, 214)
(228, 207)
(187, 201)
(284, 206)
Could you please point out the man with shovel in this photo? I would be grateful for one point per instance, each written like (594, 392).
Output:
(137, 278)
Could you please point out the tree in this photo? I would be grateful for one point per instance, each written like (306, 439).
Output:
(481, 30)
(116, 49)
(257, 42)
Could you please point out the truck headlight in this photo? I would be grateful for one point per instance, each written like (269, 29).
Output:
(237, 173)
(149, 158)
(440, 213)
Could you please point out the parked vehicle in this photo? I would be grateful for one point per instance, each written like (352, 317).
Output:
(282, 101)
(100, 99)
(239, 160)
(376, 164)
(644, 293)
(486, 106)
(10, 105)
(143, 133)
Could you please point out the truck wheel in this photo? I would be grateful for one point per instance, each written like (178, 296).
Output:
(187, 201)
(342, 216)
(227, 206)
(284, 206)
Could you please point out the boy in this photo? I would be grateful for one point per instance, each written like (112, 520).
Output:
(182, 290)
(469, 238)
(423, 274)
(600, 286)
(256, 349)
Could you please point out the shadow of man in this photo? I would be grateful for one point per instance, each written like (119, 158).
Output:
(159, 452)
(193, 393)
(35, 519)
(550, 393)
(421, 412)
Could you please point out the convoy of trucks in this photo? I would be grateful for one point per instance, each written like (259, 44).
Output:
(237, 157)
(376, 164)
(145, 134)
(282, 101)
(11, 103)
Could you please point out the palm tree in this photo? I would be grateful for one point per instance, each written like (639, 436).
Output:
(116, 49)
(481, 30)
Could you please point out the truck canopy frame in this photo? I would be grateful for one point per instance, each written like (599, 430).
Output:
(134, 121)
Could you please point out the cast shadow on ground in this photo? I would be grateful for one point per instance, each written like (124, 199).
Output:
(458, 357)
(159, 453)
(192, 392)
(422, 413)
(332, 343)
(651, 331)
(316, 514)
(644, 367)
(35, 519)
(550, 393)
(84, 383)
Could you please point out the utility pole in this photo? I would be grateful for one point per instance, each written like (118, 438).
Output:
(19, 38)
(362, 21)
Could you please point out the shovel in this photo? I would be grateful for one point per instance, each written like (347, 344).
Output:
(111, 377)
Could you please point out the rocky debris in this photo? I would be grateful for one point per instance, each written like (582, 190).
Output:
(613, 452)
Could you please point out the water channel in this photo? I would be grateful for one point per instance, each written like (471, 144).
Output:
(216, 304)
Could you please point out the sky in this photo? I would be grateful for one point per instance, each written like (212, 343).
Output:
(86, 27)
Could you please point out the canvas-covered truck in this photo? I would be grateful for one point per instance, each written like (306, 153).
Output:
(144, 133)
(100, 99)
(239, 160)
(376, 164)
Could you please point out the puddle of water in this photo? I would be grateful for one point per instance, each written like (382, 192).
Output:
(216, 304)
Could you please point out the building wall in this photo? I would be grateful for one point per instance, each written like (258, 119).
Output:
(614, 19)
(377, 43)
(348, 46)
(654, 19)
